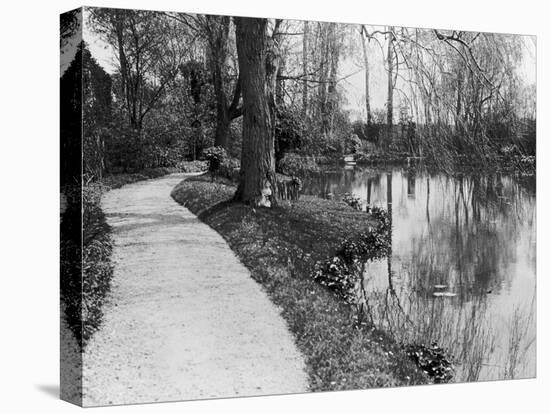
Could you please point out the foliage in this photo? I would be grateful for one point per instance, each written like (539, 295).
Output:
(294, 164)
(288, 129)
(352, 144)
(149, 54)
(215, 156)
(353, 201)
(230, 169)
(432, 360)
(97, 269)
(175, 87)
(341, 272)
(192, 166)
(338, 275)
(96, 107)
(86, 268)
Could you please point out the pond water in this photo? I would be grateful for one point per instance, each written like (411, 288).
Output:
(462, 267)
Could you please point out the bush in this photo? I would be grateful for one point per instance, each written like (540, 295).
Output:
(432, 360)
(352, 201)
(97, 269)
(230, 169)
(86, 268)
(353, 144)
(215, 157)
(192, 166)
(288, 129)
(341, 272)
(293, 164)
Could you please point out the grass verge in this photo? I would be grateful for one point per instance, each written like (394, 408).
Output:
(280, 247)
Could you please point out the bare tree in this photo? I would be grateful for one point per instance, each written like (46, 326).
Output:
(145, 63)
(389, 104)
(364, 35)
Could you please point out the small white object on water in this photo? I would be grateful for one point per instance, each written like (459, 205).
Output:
(440, 286)
(444, 294)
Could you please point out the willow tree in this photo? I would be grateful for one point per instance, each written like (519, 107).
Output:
(257, 181)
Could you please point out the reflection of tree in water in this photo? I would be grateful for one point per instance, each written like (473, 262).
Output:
(329, 183)
(467, 248)
(480, 348)
(463, 252)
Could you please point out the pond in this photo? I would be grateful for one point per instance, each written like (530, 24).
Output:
(462, 266)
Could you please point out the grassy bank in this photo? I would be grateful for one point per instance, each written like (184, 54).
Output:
(83, 297)
(280, 247)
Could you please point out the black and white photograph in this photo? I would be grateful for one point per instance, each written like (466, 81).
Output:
(273, 207)
(269, 206)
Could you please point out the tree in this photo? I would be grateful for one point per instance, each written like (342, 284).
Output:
(257, 181)
(96, 114)
(389, 105)
(217, 34)
(363, 33)
(148, 53)
(215, 31)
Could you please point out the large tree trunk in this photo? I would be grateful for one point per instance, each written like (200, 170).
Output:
(273, 67)
(257, 182)
(217, 29)
(222, 129)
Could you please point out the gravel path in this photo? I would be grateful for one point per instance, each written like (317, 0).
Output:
(184, 319)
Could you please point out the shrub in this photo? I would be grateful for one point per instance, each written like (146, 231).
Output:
(341, 272)
(192, 166)
(338, 275)
(86, 268)
(288, 128)
(352, 201)
(352, 144)
(230, 169)
(432, 360)
(215, 157)
(97, 269)
(293, 164)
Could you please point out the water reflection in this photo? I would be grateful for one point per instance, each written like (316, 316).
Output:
(462, 265)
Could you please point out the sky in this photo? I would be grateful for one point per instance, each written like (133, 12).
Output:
(350, 71)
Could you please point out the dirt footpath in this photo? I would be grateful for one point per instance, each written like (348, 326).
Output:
(184, 319)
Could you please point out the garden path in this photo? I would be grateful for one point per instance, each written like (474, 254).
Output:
(184, 319)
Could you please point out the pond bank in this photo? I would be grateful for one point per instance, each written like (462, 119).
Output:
(517, 164)
(280, 247)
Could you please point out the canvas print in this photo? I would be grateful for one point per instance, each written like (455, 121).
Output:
(257, 206)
